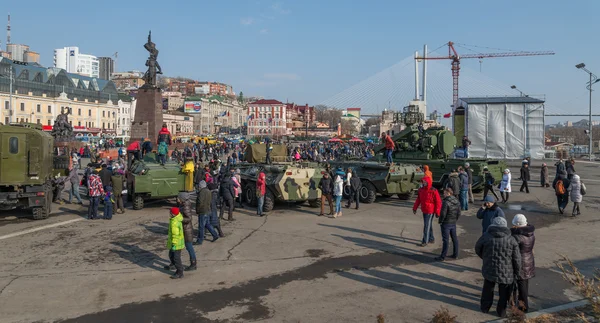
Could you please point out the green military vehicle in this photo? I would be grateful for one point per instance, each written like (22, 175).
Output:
(285, 182)
(149, 180)
(26, 168)
(377, 178)
(433, 146)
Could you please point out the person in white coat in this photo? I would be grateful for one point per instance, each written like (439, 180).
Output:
(576, 191)
(505, 187)
(338, 191)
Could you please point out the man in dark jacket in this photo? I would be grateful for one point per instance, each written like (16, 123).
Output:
(570, 168)
(117, 180)
(164, 135)
(562, 197)
(488, 211)
(227, 193)
(74, 190)
(454, 183)
(464, 188)
(105, 176)
(448, 216)
(326, 187)
(146, 147)
(525, 177)
(184, 200)
(355, 186)
(489, 182)
(501, 263)
(203, 201)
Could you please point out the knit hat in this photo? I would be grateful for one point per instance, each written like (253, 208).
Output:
(174, 211)
(499, 222)
(467, 164)
(202, 184)
(519, 220)
(489, 198)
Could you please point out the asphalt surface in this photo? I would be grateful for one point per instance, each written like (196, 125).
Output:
(290, 266)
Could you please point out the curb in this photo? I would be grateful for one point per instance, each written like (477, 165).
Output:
(550, 310)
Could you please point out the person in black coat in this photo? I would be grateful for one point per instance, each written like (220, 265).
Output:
(355, 186)
(525, 177)
(524, 235)
(326, 187)
(227, 193)
(561, 197)
(448, 216)
(214, 217)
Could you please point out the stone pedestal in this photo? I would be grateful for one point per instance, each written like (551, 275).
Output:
(148, 117)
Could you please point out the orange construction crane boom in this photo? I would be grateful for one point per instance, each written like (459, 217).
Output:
(455, 57)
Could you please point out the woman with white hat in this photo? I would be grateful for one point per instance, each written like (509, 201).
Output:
(523, 233)
(505, 187)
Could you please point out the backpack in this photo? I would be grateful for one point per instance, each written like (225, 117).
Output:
(162, 148)
(559, 188)
(582, 189)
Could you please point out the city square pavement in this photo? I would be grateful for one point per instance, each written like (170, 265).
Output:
(291, 266)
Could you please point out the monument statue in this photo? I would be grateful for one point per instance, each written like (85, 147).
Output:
(62, 129)
(152, 63)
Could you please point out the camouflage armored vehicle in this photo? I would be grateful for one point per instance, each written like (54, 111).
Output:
(285, 182)
(386, 180)
(433, 147)
(150, 181)
(26, 169)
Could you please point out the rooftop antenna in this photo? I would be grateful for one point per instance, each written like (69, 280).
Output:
(8, 33)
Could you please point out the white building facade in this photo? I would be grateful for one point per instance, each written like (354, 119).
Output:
(217, 116)
(125, 115)
(71, 60)
(267, 117)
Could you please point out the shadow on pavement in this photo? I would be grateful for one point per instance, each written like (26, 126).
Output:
(140, 257)
(372, 233)
(157, 228)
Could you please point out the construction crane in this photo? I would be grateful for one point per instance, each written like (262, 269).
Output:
(455, 57)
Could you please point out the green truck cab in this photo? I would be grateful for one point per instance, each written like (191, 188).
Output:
(26, 168)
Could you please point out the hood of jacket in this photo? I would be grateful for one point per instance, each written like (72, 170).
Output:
(184, 196)
(426, 181)
(454, 174)
(262, 176)
(524, 231)
(426, 168)
(451, 200)
(575, 179)
(498, 232)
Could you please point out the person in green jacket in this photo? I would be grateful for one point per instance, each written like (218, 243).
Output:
(175, 243)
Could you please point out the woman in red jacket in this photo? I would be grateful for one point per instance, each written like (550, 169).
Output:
(431, 204)
(261, 190)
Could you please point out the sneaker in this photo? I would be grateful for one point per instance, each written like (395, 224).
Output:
(422, 245)
(439, 259)
(177, 276)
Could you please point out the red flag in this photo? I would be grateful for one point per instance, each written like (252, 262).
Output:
(447, 115)
(228, 113)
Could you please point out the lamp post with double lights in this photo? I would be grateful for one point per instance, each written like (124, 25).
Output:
(593, 79)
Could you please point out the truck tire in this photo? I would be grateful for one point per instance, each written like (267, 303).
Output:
(269, 202)
(138, 202)
(407, 196)
(41, 213)
(368, 193)
(315, 203)
(250, 194)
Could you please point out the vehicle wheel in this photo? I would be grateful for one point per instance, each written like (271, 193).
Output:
(41, 213)
(368, 193)
(250, 195)
(269, 202)
(138, 202)
(315, 203)
(407, 196)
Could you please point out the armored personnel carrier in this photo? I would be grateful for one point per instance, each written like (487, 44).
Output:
(433, 147)
(378, 178)
(26, 167)
(285, 183)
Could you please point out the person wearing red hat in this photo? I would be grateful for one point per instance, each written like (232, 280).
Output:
(175, 243)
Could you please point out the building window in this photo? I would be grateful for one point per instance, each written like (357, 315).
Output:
(22, 106)
(13, 145)
(89, 112)
(103, 125)
(79, 123)
(39, 121)
(6, 104)
(79, 111)
(103, 114)
(6, 121)
(49, 109)
(49, 122)
(39, 108)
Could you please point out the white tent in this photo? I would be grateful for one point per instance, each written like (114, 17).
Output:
(502, 127)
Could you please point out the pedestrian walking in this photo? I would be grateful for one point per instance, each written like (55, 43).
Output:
(184, 200)
(175, 243)
(74, 190)
(429, 200)
(117, 180)
(215, 221)
(489, 182)
(469, 172)
(96, 190)
(544, 176)
(427, 172)
(464, 188)
(355, 186)
(105, 176)
(261, 190)
(488, 212)
(237, 186)
(523, 233)
(505, 187)
(203, 205)
(525, 177)
(570, 168)
(501, 263)
(227, 193)
(561, 185)
(188, 170)
(449, 215)
(576, 191)
(338, 191)
(454, 184)
(108, 203)
(326, 187)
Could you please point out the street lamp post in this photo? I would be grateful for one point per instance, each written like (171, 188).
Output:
(514, 87)
(593, 79)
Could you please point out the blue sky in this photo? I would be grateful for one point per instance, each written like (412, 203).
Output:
(308, 51)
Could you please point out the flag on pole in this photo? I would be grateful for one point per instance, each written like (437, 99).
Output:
(224, 113)
(447, 115)
(228, 114)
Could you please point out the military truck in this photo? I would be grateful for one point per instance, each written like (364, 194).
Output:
(433, 147)
(149, 180)
(285, 182)
(378, 178)
(26, 167)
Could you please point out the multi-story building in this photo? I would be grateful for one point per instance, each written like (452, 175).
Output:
(71, 60)
(126, 106)
(267, 117)
(212, 116)
(106, 67)
(41, 94)
(174, 100)
(190, 88)
(179, 123)
(19, 52)
(125, 81)
(302, 115)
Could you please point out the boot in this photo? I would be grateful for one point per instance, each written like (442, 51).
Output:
(192, 266)
(177, 275)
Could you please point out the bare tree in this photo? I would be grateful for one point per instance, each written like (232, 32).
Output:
(348, 126)
(372, 121)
